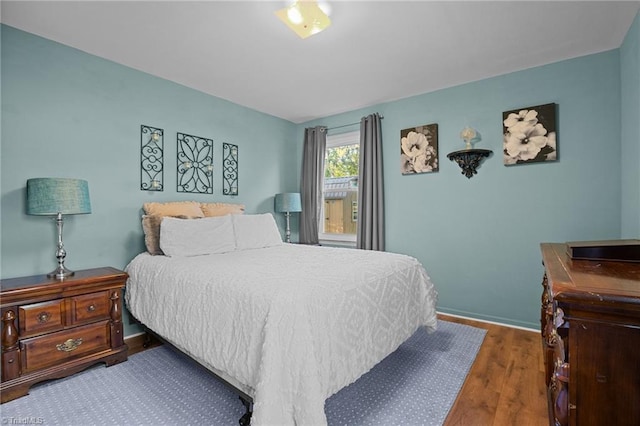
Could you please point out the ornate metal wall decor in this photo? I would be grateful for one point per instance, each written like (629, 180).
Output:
(195, 164)
(229, 169)
(469, 160)
(151, 158)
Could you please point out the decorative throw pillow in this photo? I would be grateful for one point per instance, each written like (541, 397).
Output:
(221, 209)
(209, 235)
(255, 231)
(151, 228)
(190, 209)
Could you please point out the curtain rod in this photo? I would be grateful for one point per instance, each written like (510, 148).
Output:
(346, 125)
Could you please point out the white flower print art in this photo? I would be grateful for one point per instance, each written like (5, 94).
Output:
(419, 149)
(530, 135)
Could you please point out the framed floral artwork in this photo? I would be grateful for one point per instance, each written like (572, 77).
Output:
(530, 135)
(419, 149)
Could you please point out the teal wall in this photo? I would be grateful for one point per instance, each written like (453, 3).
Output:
(69, 114)
(479, 238)
(630, 129)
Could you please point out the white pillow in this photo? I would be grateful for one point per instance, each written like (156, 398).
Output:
(194, 237)
(255, 231)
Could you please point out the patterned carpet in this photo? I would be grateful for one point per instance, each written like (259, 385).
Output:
(416, 385)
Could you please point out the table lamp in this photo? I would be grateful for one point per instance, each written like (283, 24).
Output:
(57, 197)
(287, 203)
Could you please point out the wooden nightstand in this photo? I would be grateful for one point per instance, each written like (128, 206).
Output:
(53, 328)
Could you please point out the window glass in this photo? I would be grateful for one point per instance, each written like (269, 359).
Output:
(340, 194)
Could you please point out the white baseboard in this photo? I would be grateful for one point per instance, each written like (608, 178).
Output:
(490, 322)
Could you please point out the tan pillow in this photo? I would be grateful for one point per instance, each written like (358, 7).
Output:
(188, 209)
(151, 228)
(221, 209)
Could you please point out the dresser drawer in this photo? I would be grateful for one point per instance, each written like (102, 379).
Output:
(90, 307)
(53, 349)
(39, 318)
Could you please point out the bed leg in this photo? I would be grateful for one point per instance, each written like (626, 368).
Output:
(245, 420)
(147, 339)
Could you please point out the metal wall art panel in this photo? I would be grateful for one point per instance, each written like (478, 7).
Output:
(229, 169)
(195, 164)
(151, 158)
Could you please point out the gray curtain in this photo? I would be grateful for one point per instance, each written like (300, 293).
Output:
(370, 235)
(315, 142)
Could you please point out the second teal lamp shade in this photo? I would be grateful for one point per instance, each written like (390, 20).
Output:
(288, 202)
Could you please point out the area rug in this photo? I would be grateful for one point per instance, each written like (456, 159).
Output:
(415, 385)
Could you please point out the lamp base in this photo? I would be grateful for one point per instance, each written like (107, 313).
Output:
(60, 273)
(287, 238)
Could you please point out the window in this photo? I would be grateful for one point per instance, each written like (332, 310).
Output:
(339, 213)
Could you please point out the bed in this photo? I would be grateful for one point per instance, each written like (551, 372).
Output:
(287, 325)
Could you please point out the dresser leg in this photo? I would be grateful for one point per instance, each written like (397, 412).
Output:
(15, 392)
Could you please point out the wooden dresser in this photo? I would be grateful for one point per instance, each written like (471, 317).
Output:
(53, 328)
(590, 321)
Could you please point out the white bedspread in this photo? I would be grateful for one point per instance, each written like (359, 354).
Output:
(294, 323)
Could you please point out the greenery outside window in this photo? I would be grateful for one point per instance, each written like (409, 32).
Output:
(339, 212)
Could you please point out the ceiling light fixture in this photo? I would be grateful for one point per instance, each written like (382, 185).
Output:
(305, 17)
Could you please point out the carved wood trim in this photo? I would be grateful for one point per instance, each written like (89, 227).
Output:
(9, 331)
(117, 338)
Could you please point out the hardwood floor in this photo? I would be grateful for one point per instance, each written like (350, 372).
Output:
(506, 383)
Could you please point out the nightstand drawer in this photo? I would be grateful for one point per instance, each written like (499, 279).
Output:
(90, 307)
(52, 349)
(42, 317)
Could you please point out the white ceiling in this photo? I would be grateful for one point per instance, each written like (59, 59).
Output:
(375, 51)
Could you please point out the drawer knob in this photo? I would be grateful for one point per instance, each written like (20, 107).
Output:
(91, 308)
(43, 317)
(69, 345)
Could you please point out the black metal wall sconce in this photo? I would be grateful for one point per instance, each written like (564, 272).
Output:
(469, 159)
(151, 158)
(229, 169)
(195, 164)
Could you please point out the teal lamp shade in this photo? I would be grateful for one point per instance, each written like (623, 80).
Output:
(288, 202)
(50, 196)
(58, 197)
